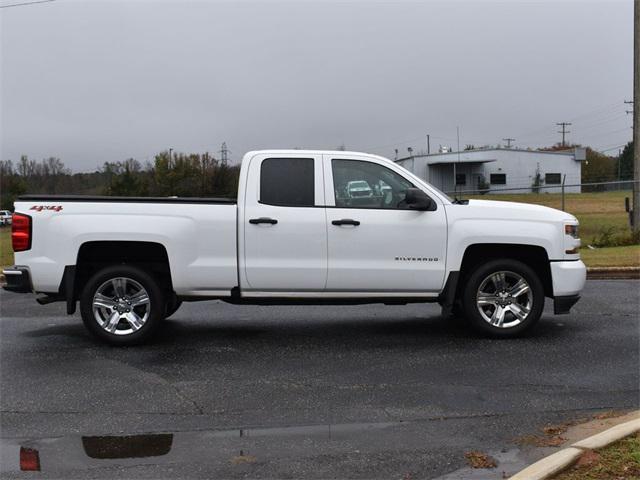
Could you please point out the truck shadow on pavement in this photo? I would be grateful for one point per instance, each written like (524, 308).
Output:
(354, 332)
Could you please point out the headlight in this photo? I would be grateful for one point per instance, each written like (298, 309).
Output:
(571, 230)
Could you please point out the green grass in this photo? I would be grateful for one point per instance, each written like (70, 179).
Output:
(620, 460)
(598, 213)
(612, 257)
(577, 203)
(6, 253)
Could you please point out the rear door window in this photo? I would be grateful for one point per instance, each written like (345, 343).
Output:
(287, 182)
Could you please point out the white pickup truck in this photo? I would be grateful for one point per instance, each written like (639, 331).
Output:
(297, 234)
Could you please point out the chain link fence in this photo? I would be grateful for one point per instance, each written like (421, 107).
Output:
(601, 207)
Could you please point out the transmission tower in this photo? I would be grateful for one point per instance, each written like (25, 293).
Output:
(224, 153)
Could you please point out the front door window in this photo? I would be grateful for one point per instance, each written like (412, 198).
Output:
(359, 184)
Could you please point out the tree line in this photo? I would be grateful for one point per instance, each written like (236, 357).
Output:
(602, 168)
(194, 175)
(184, 175)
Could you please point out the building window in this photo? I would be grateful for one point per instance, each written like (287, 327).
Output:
(498, 179)
(461, 178)
(553, 179)
(287, 182)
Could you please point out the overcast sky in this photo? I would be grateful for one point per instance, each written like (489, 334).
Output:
(91, 81)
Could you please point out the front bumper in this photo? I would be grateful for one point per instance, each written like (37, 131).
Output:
(18, 280)
(568, 277)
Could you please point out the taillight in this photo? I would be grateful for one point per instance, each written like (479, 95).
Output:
(29, 460)
(21, 232)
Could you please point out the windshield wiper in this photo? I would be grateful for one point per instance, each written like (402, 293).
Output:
(457, 201)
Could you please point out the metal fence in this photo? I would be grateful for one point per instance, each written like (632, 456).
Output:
(552, 191)
(603, 208)
(528, 189)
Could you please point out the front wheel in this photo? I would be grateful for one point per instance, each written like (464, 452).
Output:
(122, 305)
(503, 298)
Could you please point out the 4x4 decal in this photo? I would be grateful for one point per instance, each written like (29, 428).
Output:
(39, 208)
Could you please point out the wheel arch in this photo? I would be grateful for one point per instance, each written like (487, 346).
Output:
(533, 256)
(96, 255)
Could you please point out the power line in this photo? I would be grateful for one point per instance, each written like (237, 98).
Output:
(605, 110)
(26, 3)
(402, 142)
(602, 134)
(598, 111)
(589, 126)
(612, 148)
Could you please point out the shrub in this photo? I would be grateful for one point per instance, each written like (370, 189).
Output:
(607, 237)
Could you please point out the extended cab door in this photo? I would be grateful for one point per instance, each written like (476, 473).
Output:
(284, 225)
(376, 242)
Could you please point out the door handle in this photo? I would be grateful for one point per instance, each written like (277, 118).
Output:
(256, 221)
(346, 221)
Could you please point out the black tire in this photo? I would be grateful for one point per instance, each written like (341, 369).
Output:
(173, 304)
(535, 302)
(155, 309)
(457, 311)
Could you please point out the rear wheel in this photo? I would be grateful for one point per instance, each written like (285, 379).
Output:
(122, 305)
(503, 298)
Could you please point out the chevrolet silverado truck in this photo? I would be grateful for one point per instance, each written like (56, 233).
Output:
(294, 235)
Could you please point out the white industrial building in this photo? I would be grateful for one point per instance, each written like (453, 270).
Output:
(499, 168)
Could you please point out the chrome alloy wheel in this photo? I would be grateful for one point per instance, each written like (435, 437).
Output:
(121, 306)
(504, 299)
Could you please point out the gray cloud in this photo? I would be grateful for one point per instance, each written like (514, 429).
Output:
(101, 81)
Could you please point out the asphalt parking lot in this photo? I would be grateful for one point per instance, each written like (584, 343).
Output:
(288, 392)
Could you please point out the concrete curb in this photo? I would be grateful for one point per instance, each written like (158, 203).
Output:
(555, 463)
(613, 273)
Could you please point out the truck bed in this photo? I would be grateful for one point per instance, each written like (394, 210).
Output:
(199, 236)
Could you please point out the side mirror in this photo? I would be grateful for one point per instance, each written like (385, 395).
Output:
(416, 199)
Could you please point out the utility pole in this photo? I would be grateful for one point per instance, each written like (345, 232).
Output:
(564, 130)
(636, 111)
(224, 153)
(455, 170)
(629, 112)
(428, 145)
(619, 163)
(508, 140)
(169, 164)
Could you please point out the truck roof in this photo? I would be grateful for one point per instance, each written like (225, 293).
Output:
(293, 151)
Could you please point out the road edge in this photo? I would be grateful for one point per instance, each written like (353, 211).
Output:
(559, 461)
(613, 273)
